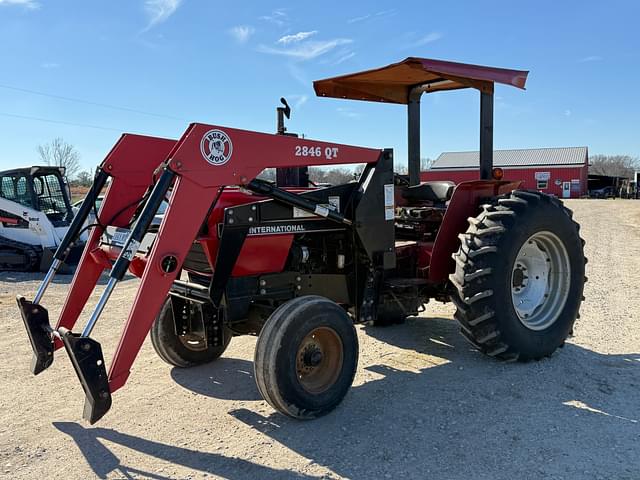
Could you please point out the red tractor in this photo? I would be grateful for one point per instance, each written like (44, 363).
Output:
(298, 265)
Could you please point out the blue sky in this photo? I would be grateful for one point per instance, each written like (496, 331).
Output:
(228, 63)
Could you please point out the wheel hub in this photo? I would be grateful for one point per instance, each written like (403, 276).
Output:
(520, 279)
(319, 360)
(312, 356)
(193, 342)
(540, 280)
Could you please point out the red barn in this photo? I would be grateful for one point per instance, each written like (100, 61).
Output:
(559, 171)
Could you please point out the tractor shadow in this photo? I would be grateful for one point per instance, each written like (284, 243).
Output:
(105, 463)
(226, 379)
(436, 408)
(430, 407)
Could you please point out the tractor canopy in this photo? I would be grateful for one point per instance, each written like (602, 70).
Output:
(393, 83)
(406, 81)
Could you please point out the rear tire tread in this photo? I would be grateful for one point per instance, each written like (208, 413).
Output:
(476, 317)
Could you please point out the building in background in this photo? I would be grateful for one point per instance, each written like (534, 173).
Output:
(559, 171)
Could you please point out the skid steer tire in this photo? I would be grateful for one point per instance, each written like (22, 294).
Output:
(519, 276)
(306, 357)
(173, 350)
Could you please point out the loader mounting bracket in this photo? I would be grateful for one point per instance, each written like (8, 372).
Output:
(36, 321)
(88, 362)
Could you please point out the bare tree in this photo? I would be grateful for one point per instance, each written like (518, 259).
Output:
(268, 174)
(60, 154)
(334, 176)
(401, 169)
(84, 179)
(425, 163)
(614, 165)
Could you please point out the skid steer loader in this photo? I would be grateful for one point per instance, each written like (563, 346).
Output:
(298, 265)
(35, 214)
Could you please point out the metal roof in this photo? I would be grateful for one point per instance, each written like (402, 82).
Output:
(515, 158)
(393, 83)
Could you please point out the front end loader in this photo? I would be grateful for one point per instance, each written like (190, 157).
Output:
(298, 265)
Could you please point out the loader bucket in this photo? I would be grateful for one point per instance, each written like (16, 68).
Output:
(87, 360)
(36, 321)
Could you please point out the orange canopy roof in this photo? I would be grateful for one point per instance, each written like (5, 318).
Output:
(394, 82)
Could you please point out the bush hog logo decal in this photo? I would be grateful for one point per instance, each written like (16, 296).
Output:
(216, 147)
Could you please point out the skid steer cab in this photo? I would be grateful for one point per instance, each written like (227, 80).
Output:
(35, 214)
(298, 265)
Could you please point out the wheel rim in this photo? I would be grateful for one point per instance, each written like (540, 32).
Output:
(540, 280)
(319, 360)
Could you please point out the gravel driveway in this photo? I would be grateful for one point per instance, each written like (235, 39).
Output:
(424, 404)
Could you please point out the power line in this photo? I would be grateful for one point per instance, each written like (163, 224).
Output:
(61, 122)
(88, 102)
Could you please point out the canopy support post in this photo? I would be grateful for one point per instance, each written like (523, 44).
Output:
(486, 134)
(413, 140)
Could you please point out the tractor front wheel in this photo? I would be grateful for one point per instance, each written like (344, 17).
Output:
(519, 276)
(182, 350)
(306, 357)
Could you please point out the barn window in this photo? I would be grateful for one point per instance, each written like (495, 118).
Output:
(542, 184)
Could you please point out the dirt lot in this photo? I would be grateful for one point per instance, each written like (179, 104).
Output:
(424, 405)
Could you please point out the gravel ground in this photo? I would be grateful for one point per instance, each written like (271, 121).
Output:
(423, 405)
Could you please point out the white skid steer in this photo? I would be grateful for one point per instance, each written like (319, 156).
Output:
(35, 214)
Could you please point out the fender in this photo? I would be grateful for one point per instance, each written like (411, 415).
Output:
(464, 203)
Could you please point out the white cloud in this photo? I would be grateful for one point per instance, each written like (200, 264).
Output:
(242, 33)
(306, 50)
(591, 58)
(344, 58)
(298, 74)
(298, 37)
(383, 13)
(49, 65)
(278, 17)
(359, 19)
(28, 4)
(298, 100)
(160, 10)
(429, 38)
(347, 112)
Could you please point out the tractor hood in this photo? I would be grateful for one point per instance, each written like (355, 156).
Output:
(394, 82)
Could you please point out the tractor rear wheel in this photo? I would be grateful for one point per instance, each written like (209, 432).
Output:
(519, 276)
(306, 357)
(182, 350)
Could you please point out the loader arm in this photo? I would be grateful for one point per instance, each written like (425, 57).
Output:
(143, 170)
(197, 183)
(130, 164)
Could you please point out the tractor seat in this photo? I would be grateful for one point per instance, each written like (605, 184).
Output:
(438, 192)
